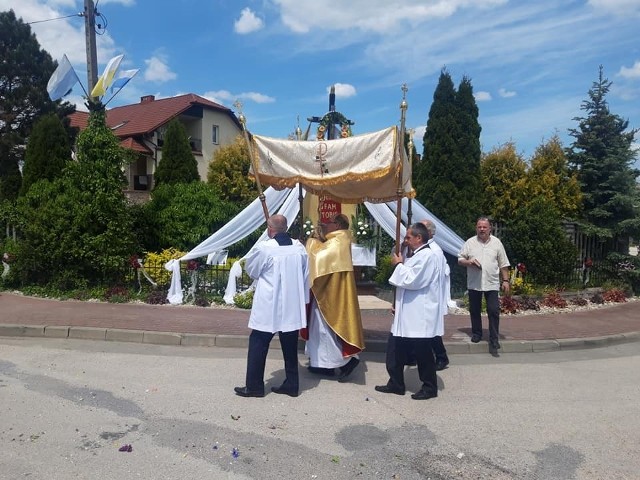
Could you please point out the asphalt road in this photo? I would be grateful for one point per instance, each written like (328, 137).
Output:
(67, 406)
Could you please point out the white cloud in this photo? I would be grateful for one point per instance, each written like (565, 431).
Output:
(257, 97)
(504, 93)
(378, 16)
(158, 70)
(248, 22)
(343, 90)
(126, 3)
(633, 72)
(482, 96)
(617, 7)
(222, 96)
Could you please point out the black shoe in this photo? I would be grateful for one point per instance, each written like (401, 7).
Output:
(495, 344)
(424, 395)
(347, 369)
(285, 391)
(475, 338)
(329, 372)
(441, 364)
(244, 392)
(388, 389)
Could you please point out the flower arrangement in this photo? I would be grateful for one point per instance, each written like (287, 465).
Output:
(308, 229)
(363, 232)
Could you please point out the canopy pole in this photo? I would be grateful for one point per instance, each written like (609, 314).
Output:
(243, 122)
(403, 115)
(300, 196)
(410, 153)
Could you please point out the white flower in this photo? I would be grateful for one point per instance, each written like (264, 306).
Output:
(308, 232)
(366, 226)
(359, 223)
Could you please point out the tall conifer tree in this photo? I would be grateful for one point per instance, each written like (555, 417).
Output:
(48, 152)
(602, 155)
(178, 165)
(447, 179)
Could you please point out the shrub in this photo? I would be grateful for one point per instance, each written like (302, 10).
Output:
(597, 299)
(579, 301)
(554, 300)
(508, 304)
(550, 256)
(528, 303)
(519, 286)
(244, 299)
(157, 297)
(614, 295)
(117, 294)
(384, 271)
(159, 274)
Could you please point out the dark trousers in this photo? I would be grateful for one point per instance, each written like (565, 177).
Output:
(493, 312)
(257, 358)
(397, 350)
(438, 349)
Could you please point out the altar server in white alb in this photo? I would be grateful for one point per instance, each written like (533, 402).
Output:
(281, 267)
(417, 319)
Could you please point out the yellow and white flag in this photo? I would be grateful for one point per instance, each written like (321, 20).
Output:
(106, 78)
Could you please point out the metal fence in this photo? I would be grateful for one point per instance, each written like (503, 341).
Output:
(203, 279)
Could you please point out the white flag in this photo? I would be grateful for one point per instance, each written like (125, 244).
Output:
(106, 78)
(123, 78)
(62, 80)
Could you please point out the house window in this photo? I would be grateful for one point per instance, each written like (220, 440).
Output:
(214, 134)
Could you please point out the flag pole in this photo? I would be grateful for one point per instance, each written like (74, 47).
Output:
(254, 165)
(403, 114)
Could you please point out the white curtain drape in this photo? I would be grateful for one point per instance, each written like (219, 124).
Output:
(252, 217)
(385, 215)
(238, 228)
(289, 209)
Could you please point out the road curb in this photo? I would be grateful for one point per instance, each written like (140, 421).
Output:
(242, 341)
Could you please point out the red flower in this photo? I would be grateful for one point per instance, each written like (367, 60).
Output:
(522, 268)
(192, 265)
(134, 261)
(588, 263)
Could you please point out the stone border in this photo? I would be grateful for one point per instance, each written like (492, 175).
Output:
(241, 341)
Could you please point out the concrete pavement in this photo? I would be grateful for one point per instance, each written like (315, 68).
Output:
(227, 327)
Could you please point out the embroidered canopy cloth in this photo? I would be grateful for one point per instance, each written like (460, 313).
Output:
(363, 168)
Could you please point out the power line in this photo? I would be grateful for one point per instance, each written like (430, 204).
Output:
(58, 18)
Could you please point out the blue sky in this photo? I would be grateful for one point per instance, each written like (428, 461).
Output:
(531, 63)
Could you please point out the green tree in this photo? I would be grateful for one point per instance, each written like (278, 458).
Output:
(183, 215)
(48, 151)
(535, 237)
(447, 180)
(549, 177)
(78, 228)
(24, 72)
(602, 155)
(229, 170)
(178, 165)
(503, 174)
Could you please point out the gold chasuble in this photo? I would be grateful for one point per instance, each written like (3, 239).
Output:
(334, 286)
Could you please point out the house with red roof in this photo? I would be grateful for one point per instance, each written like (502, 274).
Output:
(141, 126)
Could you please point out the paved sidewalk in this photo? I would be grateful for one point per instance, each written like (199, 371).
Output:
(221, 326)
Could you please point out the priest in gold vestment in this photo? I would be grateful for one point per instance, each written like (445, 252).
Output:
(334, 335)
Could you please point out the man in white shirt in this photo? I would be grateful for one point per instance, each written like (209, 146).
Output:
(281, 267)
(417, 316)
(487, 271)
(439, 350)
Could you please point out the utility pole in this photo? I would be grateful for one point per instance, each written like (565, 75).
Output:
(90, 41)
